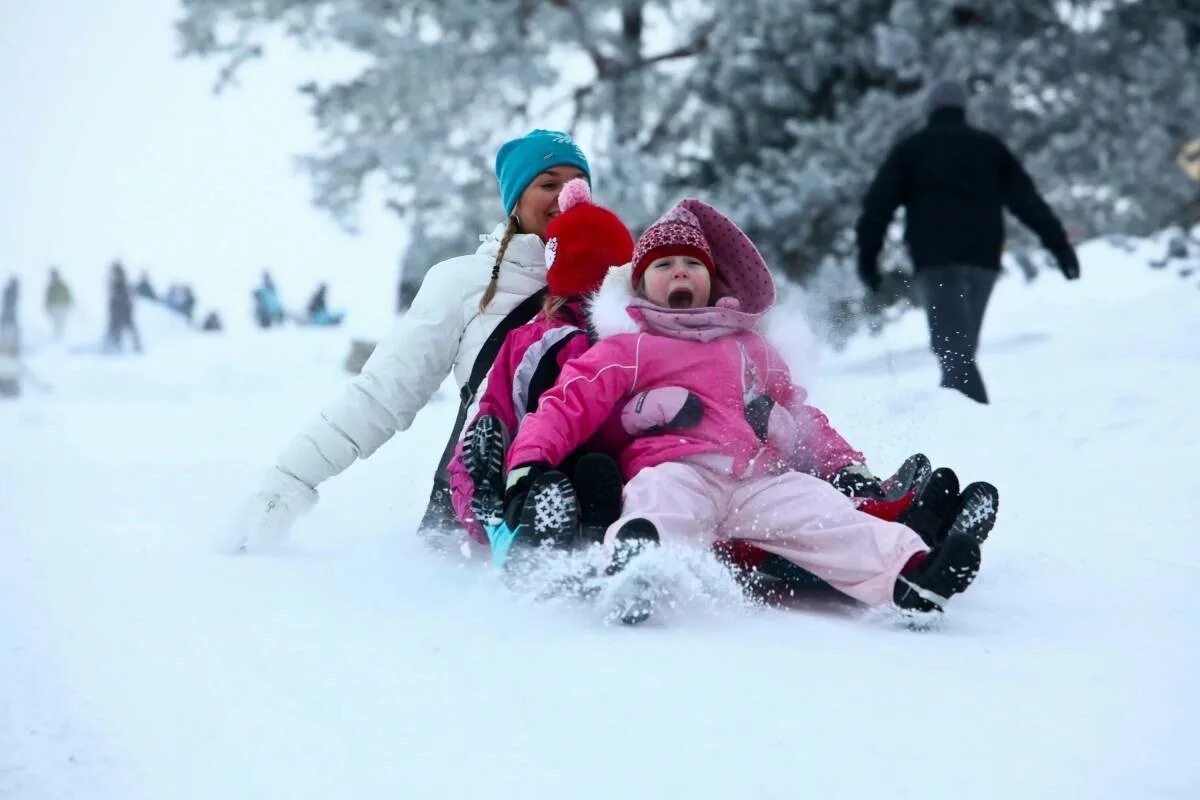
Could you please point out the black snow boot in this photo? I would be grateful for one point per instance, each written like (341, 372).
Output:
(631, 540)
(598, 483)
(484, 446)
(933, 507)
(978, 506)
(635, 601)
(947, 570)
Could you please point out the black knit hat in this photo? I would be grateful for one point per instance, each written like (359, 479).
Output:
(946, 94)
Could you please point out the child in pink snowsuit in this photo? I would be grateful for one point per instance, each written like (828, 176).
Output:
(582, 242)
(722, 442)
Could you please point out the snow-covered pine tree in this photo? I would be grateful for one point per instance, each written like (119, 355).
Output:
(802, 100)
(444, 83)
(779, 111)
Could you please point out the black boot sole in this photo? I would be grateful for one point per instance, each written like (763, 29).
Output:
(913, 473)
(977, 510)
(551, 511)
(484, 448)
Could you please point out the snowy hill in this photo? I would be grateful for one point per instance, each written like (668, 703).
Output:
(137, 661)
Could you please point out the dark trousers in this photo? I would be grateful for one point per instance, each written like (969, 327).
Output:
(955, 299)
(114, 336)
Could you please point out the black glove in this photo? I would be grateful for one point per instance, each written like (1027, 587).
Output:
(855, 480)
(516, 486)
(1068, 262)
(869, 274)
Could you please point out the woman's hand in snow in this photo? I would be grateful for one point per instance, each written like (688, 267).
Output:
(267, 517)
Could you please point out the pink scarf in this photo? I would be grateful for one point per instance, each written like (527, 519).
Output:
(693, 324)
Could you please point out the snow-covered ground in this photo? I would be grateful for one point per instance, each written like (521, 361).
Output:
(138, 661)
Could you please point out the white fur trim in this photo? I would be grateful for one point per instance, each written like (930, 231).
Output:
(608, 306)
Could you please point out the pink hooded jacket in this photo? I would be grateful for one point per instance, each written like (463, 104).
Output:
(694, 383)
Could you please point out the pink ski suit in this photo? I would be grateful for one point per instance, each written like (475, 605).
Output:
(529, 361)
(722, 439)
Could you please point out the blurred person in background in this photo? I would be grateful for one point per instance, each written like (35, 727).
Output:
(58, 302)
(10, 341)
(187, 301)
(10, 329)
(954, 181)
(144, 288)
(212, 323)
(120, 312)
(318, 308)
(268, 310)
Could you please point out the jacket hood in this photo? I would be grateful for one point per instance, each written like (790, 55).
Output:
(524, 249)
(741, 272)
(743, 290)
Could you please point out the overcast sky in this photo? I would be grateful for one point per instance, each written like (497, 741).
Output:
(112, 147)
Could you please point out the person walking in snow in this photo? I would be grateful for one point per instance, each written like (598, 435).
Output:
(456, 324)
(720, 442)
(58, 302)
(954, 181)
(120, 312)
(10, 330)
(10, 340)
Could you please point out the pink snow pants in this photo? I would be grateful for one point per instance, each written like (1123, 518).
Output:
(793, 515)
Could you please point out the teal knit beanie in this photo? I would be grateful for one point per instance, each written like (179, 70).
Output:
(521, 160)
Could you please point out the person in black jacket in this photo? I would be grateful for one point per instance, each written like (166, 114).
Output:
(954, 181)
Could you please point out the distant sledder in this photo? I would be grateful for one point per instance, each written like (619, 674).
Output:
(317, 311)
(268, 310)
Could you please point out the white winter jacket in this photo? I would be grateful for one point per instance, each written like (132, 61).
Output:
(442, 330)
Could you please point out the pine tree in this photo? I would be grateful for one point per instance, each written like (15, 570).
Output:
(777, 111)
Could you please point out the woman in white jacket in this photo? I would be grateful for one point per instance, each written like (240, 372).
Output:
(460, 303)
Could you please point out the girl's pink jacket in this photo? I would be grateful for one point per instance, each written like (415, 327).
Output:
(698, 383)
